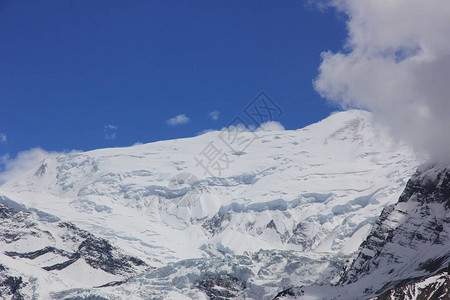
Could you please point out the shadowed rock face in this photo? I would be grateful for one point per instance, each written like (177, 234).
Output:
(429, 185)
(66, 244)
(97, 252)
(290, 292)
(434, 287)
(10, 285)
(409, 242)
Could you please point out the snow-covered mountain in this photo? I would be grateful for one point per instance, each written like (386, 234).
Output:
(40, 254)
(407, 253)
(411, 238)
(287, 210)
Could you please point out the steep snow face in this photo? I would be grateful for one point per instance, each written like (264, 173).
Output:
(315, 191)
(410, 240)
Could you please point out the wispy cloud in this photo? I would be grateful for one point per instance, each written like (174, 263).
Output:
(113, 127)
(178, 120)
(23, 162)
(3, 138)
(110, 131)
(214, 115)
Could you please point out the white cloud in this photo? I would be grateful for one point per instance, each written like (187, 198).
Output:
(110, 136)
(214, 115)
(3, 138)
(24, 161)
(178, 120)
(267, 126)
(113, 127)
(110, 132)
(271, 126)
(396, 64)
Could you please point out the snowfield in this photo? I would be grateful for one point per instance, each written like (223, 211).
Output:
(289, 208)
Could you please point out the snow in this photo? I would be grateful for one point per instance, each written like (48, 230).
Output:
(355, 240)
(332, 179)
(84, 275)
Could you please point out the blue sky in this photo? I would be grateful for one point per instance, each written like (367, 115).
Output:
(87, 74)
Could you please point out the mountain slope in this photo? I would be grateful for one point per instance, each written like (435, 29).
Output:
(312, 193)
(434, 287)
(41, 255)
(410, 240)
(406, 254)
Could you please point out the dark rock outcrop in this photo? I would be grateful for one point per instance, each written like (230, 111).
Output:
(66, 244)
(221, 287)
(409, 241)
(435, 287)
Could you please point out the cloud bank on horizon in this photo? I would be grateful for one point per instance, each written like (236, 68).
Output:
(395, 63)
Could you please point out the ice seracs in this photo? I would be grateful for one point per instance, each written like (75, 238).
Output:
(314, 193)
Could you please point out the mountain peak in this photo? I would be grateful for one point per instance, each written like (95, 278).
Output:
(301, 195)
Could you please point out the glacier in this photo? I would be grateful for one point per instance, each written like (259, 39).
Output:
(288, 211)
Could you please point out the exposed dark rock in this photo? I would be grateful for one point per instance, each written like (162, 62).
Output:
(293, 292)
(97, 252)
(63, 265)
(272, 225)
(299, 237)
(90, 297)
(221, 287)
(428, 188)
(41, 170)
(432, 265)
(215, 225)
(112, 283)
(410, 239)
(10, 286)
(438, 288)
(37, 253)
